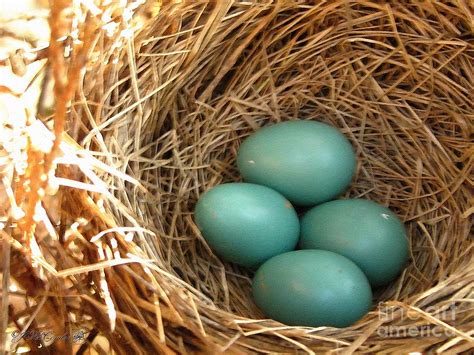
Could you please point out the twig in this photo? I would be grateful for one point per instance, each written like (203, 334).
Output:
(5, 287)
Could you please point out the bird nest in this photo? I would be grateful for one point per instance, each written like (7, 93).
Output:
(99, 232)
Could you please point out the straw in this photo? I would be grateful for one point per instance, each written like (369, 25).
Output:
(167, 96)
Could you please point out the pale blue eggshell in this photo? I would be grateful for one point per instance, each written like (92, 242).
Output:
(246, 223)
(312, 288)
(366, 232)
(309, 162)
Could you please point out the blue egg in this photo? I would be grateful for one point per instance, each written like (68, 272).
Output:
(246, 223)
(312, 288)
(369, 234)
(308, 162)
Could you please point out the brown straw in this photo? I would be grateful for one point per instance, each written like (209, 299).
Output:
(158, 115)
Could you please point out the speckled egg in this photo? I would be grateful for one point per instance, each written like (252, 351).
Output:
(309, 162)
(246, 223)
(312, 288)
(366, 232)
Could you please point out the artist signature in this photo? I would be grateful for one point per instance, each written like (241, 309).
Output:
(47, 337)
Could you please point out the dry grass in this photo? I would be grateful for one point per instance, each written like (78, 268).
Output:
(158, 119)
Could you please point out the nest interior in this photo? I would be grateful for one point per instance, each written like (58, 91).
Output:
(170, 108)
